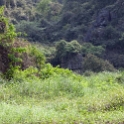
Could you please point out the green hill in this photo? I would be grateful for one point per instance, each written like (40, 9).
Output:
(99, 23)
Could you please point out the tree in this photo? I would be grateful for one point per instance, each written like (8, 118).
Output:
(102, 3)
(7, 30)
(65, 48)
(43, 7)
(15, 54)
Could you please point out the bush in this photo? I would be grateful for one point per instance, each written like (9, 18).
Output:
(95, 64)
(16, 54)
(116, 59)
(89, 48)
(64, 48)
(31, 29)
(37, 56)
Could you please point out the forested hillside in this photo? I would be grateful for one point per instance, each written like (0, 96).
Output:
(96, 25)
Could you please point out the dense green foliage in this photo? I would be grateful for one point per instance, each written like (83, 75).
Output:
(88, 48)
(63, 97)
(37, 92)
(7, 33)
(64, 48)
(15, 53)
(95, 64)
(98, 23)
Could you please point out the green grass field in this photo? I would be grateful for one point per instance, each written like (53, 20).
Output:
(63, 99)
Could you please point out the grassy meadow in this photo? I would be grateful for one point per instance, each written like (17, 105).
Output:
(63, 98)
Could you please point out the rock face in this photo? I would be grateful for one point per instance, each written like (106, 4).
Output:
(103, 19)
(1, 2)
(79, 19)
(98, 22)
(72, 62)
(8, 3)
(106, 16)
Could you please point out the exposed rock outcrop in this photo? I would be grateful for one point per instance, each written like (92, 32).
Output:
(72, 62)
(106, 16)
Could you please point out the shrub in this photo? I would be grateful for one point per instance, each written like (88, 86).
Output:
(38, 57)
(33, 32)
(64, 48)
(89, 48)
(49, 9)
(88, 73)
(15, 54)
(43, 7)
(116, 59)
(95, 64)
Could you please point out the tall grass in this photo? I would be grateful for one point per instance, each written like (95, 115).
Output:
(63, 98)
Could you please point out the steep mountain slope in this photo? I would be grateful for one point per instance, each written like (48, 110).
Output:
(87, 21)
(94, 21)
(19, 10)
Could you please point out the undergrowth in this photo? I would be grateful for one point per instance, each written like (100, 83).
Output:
(59, 96)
